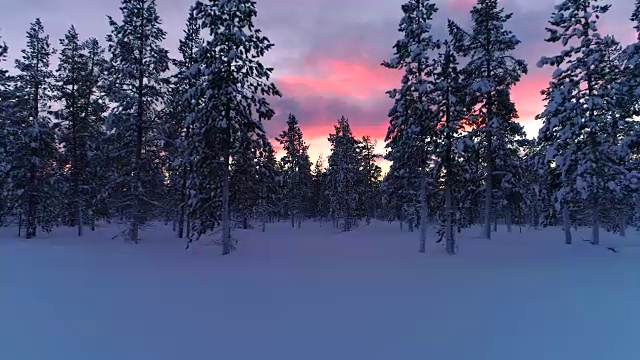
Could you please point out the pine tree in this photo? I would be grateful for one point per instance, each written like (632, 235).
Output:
(33, 146)
(343, 174)
(297, 170)
(245, 186)
(268, 174)
(582, 129)
(77, 78)
(233, 93)
(6, 97)
(96, 151)
(447, 101)
(371, 176)
(629, 92)
(629, 107)
(412, 124)
(507, 174)
(319, 189)
(136, 87)
(491, 68)
(178, 108)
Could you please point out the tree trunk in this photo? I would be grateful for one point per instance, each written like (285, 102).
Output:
(566, 221)
(19, 223)
(31, 225)
(79, 218)
(623, 225)
(424, 214)
(180, 221)
(595, 215)
(450, 240)
(508, 219)
(226, 221)
(489, 149)
(487, 206)
(188, 224)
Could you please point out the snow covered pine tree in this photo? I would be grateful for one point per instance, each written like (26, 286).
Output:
(233, 91)
(411, 127)
(490, 70)
(80, 118)
(297, 170)
(343, 175)
(581, 127)
(33, 149)
(136, 86)
(178, 107)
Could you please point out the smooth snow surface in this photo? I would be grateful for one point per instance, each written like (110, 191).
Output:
(314, 293)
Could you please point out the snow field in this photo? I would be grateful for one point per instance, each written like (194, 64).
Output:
(315, 293)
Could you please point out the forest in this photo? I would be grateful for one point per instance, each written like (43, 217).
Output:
(121, 132)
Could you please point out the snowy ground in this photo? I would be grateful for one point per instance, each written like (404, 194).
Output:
(314, 293)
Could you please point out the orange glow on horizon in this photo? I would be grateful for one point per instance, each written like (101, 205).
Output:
(364, 85)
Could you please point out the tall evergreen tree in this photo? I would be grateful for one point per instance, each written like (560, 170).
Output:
(631, 67)
(233, 93)
(319, 190)
(507, 165)
(630, 93)
(245, 188)
(95, 153)
(77, 78)
(412, 124)
(267, 180)
(490, 68)
(447, 102)
(371, 176)
(178, 108)
(33, 149)
(343, 174)
(581, 127)
(5, 106)
(136, 87)
(297, 170)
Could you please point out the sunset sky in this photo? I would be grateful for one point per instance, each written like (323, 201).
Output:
(327, 52)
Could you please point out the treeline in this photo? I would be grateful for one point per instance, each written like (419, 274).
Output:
(460, 156)
(121, 131)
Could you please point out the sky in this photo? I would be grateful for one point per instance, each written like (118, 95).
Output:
(327, 53)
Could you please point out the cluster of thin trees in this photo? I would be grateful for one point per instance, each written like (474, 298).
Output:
(123, 132)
